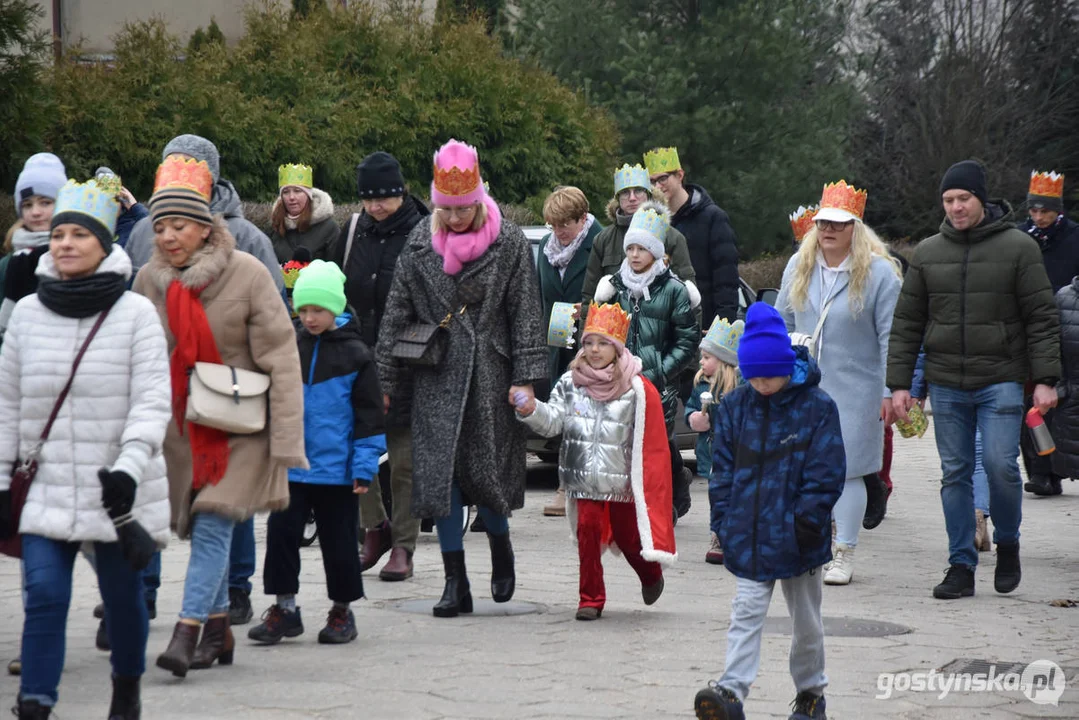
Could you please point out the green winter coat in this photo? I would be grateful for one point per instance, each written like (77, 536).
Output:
(982, 301)
(565, 288)
(663, 331)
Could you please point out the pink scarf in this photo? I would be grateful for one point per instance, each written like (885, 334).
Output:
(458, 248)
(601, 384)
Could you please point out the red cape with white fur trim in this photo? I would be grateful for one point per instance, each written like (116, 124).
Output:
(650, 475)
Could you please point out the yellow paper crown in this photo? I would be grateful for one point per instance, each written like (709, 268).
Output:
(298, 175)
(608, 320)
(842, 196)
(662, 160)
(109, 183)
(1046, 184)
(802, 221)
(187, 173)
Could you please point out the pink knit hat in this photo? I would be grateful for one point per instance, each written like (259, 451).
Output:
(457, 175)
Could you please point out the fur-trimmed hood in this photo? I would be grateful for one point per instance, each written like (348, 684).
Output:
(321, 207)
(207, 263)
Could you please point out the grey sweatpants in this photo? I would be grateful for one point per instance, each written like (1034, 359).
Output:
(748, 612)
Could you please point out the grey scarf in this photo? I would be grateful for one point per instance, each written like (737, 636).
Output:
(638, 283)
(23, 239)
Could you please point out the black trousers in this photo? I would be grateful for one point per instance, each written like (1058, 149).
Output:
(337, 514)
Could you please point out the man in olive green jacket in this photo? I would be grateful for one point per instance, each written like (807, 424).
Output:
(978, 297)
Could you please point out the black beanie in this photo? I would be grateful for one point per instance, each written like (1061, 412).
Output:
(966, 175)
(379, 176)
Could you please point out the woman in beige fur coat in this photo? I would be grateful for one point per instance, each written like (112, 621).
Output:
(218, 305)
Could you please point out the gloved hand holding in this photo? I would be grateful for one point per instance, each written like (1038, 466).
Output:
(118, 497)
(806, 533)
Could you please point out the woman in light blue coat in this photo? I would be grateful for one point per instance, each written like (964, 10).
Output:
(843, 272)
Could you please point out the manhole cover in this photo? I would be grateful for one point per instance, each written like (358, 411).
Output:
(487, 608)
(841, 627)
(961, 666)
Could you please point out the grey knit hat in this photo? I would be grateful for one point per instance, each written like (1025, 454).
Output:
(43, 174)
(197, 147)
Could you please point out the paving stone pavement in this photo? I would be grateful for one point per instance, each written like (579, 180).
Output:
(636, 662)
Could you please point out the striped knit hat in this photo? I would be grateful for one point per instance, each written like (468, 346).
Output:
(182, 188)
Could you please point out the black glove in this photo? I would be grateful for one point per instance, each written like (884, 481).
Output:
(806, 533)
(118, 497)
(6, 530)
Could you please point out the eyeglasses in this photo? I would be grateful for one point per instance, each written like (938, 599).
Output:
(563, 225)
(463, 211)
(661, 179)
(632, 192)
(832, 225)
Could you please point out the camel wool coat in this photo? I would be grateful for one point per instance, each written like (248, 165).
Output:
(251, 327)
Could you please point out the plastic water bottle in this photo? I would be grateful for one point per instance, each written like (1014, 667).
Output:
(1039, 433)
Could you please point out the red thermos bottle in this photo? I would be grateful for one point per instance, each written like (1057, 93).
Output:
(1039, 433)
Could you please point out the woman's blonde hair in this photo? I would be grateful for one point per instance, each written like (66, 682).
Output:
(725, 379)
(439, 225)
(10, 234)
(864, 246)
(565, 204)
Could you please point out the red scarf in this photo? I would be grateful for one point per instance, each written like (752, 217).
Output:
(194, 343)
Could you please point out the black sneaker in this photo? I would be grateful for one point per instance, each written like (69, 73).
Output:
(276, 624)
(807, 706)
(240, 612)
(102, 639)
(340, 627)
(1007, 575)
(99, 610)
(958, 582)
(717, 703)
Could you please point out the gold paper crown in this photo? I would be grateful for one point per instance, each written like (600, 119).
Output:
(298, 175)
(455, 181)
(662, 160)
(187, 173)
(1046, 184)
(802, 221)
(109, 183)
(842, 196)
(609, 320)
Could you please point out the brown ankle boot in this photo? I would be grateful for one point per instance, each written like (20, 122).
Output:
(217, 644)
(398, 567)
(376, 542)
(177, 656)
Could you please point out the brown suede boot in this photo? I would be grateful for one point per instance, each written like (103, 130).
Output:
(376, 542)
(217, 644)
(177, 656)
(399, 566)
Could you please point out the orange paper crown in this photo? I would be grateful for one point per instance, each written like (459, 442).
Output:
(186, 173)
(802, 221)
(609, 320)
(456, 181)
(845, 197)
(1046, 184)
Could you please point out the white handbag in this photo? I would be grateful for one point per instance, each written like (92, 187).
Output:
(227, 398)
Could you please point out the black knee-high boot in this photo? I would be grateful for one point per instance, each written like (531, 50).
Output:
(457, 596)
(503, 579)
(125, 698)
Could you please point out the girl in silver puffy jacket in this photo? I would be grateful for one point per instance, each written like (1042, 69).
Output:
(614, 461)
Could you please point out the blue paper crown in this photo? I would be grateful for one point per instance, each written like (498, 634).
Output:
(651, 222)
(723, 338)
(89, 199)
(631, 177)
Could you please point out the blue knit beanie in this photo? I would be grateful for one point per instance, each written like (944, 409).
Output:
(765, 350)
(43, 174)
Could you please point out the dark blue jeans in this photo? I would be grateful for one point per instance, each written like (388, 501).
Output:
(996, 412)
(451, 528)
(242, 556)
(47, 567)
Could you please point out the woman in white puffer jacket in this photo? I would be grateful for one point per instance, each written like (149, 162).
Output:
(105, 446)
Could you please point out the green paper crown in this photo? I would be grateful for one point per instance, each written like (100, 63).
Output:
(662, 160)
(109, 183)
(631, 177)
(89, 198)
(298, 175)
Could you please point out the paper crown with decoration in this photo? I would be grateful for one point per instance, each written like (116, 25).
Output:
(87, 204)
(109, 182)
(841, 202)
(631, 177)
(1046, 190)
(457, 178)
(802, 221)
(182, 188)
(662, 160)
(296, 175)
(722, 340)
(611, 321)
(648, 228)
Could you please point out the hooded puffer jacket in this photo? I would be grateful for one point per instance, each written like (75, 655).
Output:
(319, 237)
(1066, 417)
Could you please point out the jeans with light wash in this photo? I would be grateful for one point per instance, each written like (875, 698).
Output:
(451, 532)
(981, 480)
(996, 411)
(206, 589)
(47, 568)
(242, 555)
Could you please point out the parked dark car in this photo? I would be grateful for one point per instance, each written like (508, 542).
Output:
(547, 448)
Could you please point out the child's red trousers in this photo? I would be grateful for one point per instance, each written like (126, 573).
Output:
(593, 517)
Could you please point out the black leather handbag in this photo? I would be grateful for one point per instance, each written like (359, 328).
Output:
(424, 344)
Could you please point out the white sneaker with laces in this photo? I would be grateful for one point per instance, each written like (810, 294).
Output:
(842, 569)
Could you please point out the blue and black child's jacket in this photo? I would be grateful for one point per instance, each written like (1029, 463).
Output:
(344, 433)
(778, 469)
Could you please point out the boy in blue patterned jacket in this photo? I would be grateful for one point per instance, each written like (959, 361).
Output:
(344, 438)
(778, 469)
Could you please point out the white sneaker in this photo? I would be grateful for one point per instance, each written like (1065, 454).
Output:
(842, 569)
